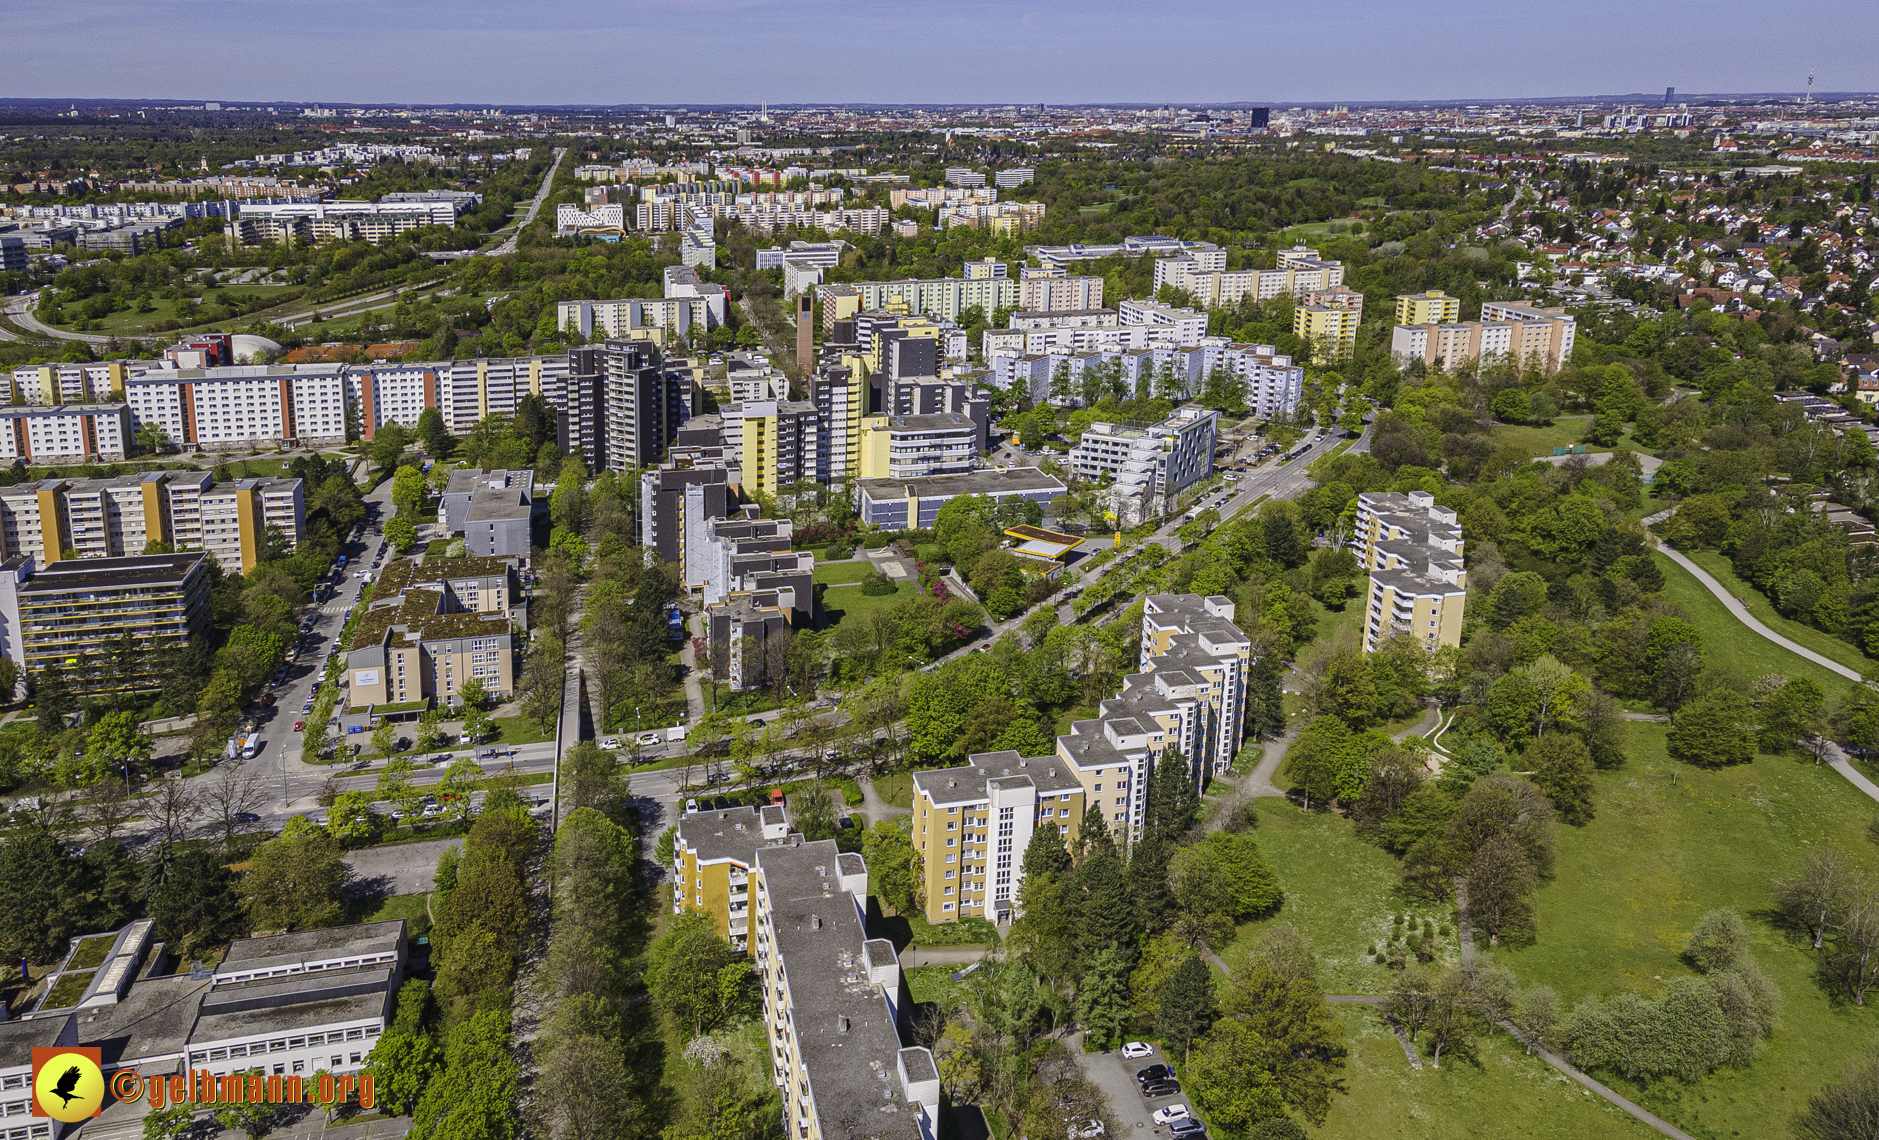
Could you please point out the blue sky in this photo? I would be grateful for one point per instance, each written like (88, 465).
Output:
(993, 51)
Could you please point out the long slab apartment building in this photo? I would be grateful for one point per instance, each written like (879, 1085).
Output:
(120, 516)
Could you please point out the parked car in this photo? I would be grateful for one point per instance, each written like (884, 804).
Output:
(1135, 1049)
(610, 743)
(247, 817)
(300, 726)
(1155, 1073)
(691, 807)
(266, 701)
(465, 738)
(1171, 1113)
(1155, 1089)
(1187, 1128)
(1090, 1130)
(432, 810)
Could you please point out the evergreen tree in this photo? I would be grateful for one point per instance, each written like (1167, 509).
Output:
(1265, 699)
(1148, 882)
(52, 697)
(1093, 835)
(1187, 1008)
(1045, 856)
(1172, 796)
(1103, 998)
(1098, 901)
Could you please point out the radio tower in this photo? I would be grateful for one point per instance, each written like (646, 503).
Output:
(1809, 100)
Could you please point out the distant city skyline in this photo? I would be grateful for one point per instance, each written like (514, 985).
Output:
(971, 51)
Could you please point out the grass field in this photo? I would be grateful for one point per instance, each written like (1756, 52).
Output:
(896, 788)
(1340, 893)
(1729, 644)
(129, 323)
(411, 908)
(838, 605)
(829, 573)
(519, 730)
(1670, 843)
(1502, 1094)
(1824, 644)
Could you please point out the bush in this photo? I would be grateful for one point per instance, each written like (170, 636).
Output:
(878, 585)
(931, 552)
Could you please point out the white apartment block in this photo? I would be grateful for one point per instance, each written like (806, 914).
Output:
(1412, 550)
(272, 223)
(571, 219)
(639, 318)
(1203, 274)
(59, 383)
(1189, 324)
(826, 254)
(1541, 338)
(392, 393)
(64, 433)
(1060, 294)
(1148, 465)
(1014, 177)
(964, 176)
(1273, 384)
(117, 517)
(242, 404)
(472, 389)
(938, 297)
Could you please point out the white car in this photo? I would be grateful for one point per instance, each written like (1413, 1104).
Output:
(610, 743)
(1171, 1112)
(691, 807)
(649, 738)
(1136, 1049)
(1090, 1130)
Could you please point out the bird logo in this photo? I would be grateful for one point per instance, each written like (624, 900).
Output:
(68, 1084)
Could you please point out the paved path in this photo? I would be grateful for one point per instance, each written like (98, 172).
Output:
(694, 679)
(1837, 760)
(874, 809)
(1260, 782)
(1741, 613)
(534, 207)
(944, 955)
(1431, 720)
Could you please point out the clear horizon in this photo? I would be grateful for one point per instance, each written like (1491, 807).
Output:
(716, 52)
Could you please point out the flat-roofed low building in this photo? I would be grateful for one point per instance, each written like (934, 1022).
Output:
(1041, 551)
(902, 504)
(432, 626)
(494, 511)
(18, 1039)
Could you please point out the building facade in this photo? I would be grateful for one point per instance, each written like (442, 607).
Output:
(1412, 550)
(431, 627)
(72, 614)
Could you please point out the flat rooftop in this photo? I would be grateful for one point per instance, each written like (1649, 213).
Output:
(313, 946)
(1013, 481)
(112, 573)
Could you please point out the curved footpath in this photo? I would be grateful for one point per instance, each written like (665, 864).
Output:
(1835, 758)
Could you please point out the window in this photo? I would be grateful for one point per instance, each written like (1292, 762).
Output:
(949, 874)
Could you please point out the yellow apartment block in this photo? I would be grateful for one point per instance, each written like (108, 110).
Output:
(1431, 308)
(1332, 331)
(711, 860)
(971, 825)
(1412, 549)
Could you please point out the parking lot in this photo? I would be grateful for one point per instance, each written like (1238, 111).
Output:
(1115, 1076)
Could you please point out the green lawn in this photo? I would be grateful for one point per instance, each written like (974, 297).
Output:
(518, 730)
(411, 908)
(127, 322)
(1340, 893)
(1562, 432)
(838, 605)
(1502, 1095)
(935, 984)
(960, 932)
(1729, 644)
(1671, 842)
(896, 788)
(1824, 644)
(829, 573)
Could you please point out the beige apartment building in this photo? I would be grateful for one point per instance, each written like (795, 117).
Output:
(835, 1003)
(1431, 308)
(1528, 337)
(433, 625)
(712, 855)
(1412, 549)
(120, 516)
(971, 823)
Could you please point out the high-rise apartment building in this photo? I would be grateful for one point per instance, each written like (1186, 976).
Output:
(712, 855)
(70, 613)
(65, 433)
(1412, 550)
(120, 516)
(971, 823)
(1060, 294)
(1332, 331)
(1433, 307)
(1541, 338)
(1148, 465)
(1203, 275)
(644, 404)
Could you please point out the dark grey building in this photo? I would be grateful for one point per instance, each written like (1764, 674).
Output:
(675, 501)
(494, 511)
(643, 404)
(901, 504)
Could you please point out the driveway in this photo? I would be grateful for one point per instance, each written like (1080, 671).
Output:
(1129, 1114)
(401, 869)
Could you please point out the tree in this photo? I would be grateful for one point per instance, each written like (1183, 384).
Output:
(385, 739)
(388, 445)
(117, 739)
(1453, 1021)
(1848, 1110)
(52, 695)
(473, 694)
(405, 1059)
(253, 1117)
(1186, 1010)
(1303, 1046)
(402, 533)
(193, 901)
(695, 977)
(543, 680)
(1562, 768)
(395, 786)
(591, 779)
(433, 433)
(230, 801)
(1814, 897)
(297, 881)
(893, 865)
(1719, 941)
(460, 780)
(351, 819)
(1103, 997)
(169, 1123)
(1536, 1016)
(814, 813)
(1500, 888)
(1715, 729)
(1791, 713)
(475, 1098)
(1234, 1089)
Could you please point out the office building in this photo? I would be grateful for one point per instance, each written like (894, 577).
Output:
(71, 612)
(607, 222)
(822, 254)
(1149, 465)
(835, 1005)
(494, 511)
(905, 504)
(712, 855)
(972, 823)
(1433, 307)
(897, 446)
(1060, 294)
(432, 626)
(1330, 330)
(1412, 550)
(14, 258)
(65, 433)
(122, 515)
(1014, 177)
